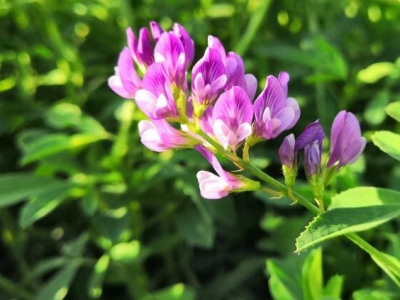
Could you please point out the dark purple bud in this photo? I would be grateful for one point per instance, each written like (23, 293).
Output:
(312, 132)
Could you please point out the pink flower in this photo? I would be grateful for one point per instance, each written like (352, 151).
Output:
(217, 187)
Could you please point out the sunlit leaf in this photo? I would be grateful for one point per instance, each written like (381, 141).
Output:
(388, 142)
(393, 110)
(366, 208)
(43, 204)
(285, 278)
(55, 143)
(58, 286)
(375, 72)
(312, 278)
(176, 292)
(95, 288)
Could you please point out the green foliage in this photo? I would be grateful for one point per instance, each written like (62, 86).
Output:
(87, 212)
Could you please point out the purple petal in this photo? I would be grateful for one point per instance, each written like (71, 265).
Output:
(346, 141)
(127, 73)
(210, 157)
(208, 77)
(312, 132)
(141, 48)
(286, 151)
(251, 85)
(215, 43)
(285, 117)
(169, 51)
(114, 82)
(284, 78)
(212, 186)
(233, 107)
(156, 30)
(273, 96)
(187, 42)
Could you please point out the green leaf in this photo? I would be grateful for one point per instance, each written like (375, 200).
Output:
(176, 292)
(393, 110)
(97, 278)
(376, 71)
(374, 113)
(226, 284)
(285, 280)
(388, 142)
(341, 221)
(55, 143)
(43, 204)
(125, 252)
(18, 186)
(195, 229)
(65, 115)
(334, 287)
(57, 288)
(312, 275)
(365, 196)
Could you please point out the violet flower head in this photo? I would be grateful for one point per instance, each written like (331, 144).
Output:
(347, 143)
(274, 112)
(155, 99)
(208, 77)
(232, 117)
(287, 155)
(217, 187)
(159, 136)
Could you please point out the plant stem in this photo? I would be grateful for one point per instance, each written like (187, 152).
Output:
(14, 290)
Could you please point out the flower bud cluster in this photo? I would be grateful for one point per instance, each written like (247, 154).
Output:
(346, 146)
(214, 113)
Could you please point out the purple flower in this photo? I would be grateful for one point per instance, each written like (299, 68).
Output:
(274, 112)
(186, 41)
(312, 158)
(141, 48)
(125, 82)
(155, 99)
(208, 77)
(312, 132)
(232, 116)
(287, 155)
(347, 143)
(311, 141)
(170, 52)
(159, 136)
(216, 187)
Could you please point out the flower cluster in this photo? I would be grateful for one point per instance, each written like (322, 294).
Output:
(216, 113)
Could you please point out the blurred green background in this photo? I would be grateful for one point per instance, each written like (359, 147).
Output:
(87, 212)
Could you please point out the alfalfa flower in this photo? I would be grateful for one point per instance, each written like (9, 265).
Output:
(347, 143)
(218, 186)
(232, 116)
(274, 112)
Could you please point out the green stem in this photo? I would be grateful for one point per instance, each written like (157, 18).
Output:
(381, 259)
(14, 290)
(255, 22)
